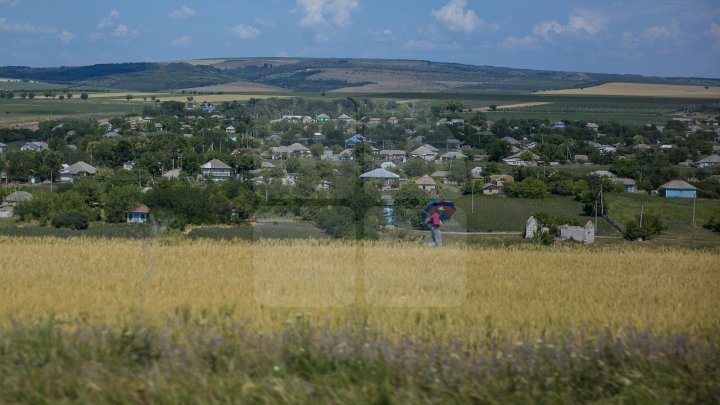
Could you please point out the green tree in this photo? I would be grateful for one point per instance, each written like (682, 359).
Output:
(119, 200)
(416, 168)
(644, 226)
(84, 96)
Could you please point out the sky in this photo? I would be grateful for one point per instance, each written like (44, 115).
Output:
(679, 38)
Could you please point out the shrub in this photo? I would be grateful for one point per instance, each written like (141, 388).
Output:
(713, 224)
(528, 188)
(650, 226)
(71, 219)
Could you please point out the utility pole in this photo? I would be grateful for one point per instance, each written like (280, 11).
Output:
(693, 218)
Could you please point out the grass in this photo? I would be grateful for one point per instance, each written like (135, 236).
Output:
(677, 214)
(40, 109)
(171, 320)
(505, 214)
(20, 86)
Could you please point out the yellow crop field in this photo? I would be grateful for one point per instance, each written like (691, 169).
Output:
(642, 90)
(399, 289)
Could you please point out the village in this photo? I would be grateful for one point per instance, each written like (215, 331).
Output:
(442, 152)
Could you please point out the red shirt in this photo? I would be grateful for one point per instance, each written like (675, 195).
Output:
(435, 219)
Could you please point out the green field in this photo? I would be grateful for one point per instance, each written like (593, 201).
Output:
(676, 213)
(29, 86)
(39, 109)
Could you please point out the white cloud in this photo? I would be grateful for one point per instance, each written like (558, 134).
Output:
(25, 28)
(422, 44)
(581, 21)
(109, 20)
(66, 37)
(182, 42)
(663, 32)
(454, 16)
(516, 43)
(381, 35)
(714, 33)
(123, 31)
(182, 13)
(243, 31)
(319, 13)
(628, 40)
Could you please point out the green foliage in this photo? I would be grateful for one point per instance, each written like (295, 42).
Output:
(45, 206)
(119, 200)
(528, 188)
(416, 168)
(77, 220)
(408, 203)
(713, 223)
(645, 226)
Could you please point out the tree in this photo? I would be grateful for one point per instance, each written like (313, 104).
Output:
(528, 188)
(118, 201)
(416, 168)
(493, 107)
(317, 150)
(644, 226)
(128, 97)
(84, 96)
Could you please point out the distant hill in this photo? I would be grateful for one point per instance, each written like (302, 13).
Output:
(322, 75)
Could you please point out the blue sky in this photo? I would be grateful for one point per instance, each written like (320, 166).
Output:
(650, 37)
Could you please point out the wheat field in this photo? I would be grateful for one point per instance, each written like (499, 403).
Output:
(399, 289)
(641, 90)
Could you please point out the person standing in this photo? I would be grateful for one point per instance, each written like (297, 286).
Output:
(435, 223)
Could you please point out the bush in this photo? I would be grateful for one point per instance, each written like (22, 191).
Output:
(713, 224)
(652, 225)
(71, 219)
(528, 188)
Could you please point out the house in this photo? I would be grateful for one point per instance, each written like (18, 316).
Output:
(679, 189)
(2, 148)
(111, 134)
(708, 162)
(172, 174)
(322, 118)
(643, 146)
(511, 141)
(267, 165)
(18, 196)
(388, 165)
(441, 175)
(393, 155)
(519, 159)
(603, 173)
(592, 126)
(581, 158)
(300, 150)
(138, 215)
(491, 189)
(354, 140)
(559, 125)
(128, 165)
(158, 127)
(79, 169)
(432, 148)
(216, 170)
(424, 153)
(344, 118)
(280, 152)
(628, 184)
(230, 130)
(452, 156)
(499, 179)
(374, 121)
(426, 183)
(34, 147)
(323, 185)
(476, 172)
(393, 120)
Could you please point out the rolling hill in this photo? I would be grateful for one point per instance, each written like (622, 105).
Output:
(321, 75)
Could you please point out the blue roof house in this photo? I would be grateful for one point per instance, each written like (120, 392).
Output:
(679, 189)
(354, 140)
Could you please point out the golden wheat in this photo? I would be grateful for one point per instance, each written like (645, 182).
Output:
(403, 289)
